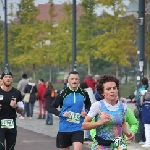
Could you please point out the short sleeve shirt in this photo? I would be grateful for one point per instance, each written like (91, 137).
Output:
(6, 111)
(94, 110)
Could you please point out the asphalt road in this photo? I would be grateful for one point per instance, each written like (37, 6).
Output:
(29, 140)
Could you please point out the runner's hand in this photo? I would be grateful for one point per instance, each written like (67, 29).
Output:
(13, 103)
(66, 114)
(104, 118)
(83, 113)
(130, 136)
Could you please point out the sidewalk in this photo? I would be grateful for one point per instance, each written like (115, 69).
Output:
(39, 126)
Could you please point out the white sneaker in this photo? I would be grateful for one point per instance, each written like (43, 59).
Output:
(21, 117)
(141, 143)
(146, 145)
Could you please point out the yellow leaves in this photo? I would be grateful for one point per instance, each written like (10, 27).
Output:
(115, 45)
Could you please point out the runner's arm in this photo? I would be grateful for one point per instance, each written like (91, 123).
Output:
(54, 107)
(87, 102)
(132, 121)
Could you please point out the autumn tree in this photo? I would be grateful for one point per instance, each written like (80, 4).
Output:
(116, 43)
(27, 33)
(87, 28)
(48, 32)
(147, 43)
(63, 40)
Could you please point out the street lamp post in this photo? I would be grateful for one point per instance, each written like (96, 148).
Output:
(141, 36)
(140, 51)
(141, 41)
(74, 65)
(5, 36)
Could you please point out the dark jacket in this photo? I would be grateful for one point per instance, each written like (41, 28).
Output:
(27, 89)
(49, 99)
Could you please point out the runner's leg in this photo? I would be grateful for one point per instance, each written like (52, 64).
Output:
(77, 139)
(2, 137)
(11, 139)
(77, 146)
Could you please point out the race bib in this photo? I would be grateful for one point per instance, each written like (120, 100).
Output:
(7, 123)
(119, 144)
(74, 117)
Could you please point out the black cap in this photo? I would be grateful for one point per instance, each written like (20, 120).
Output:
(6, 72)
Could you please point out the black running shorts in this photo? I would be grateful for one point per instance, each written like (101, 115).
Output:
(65, 139)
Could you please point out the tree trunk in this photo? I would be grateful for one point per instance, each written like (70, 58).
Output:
(50, 73)
(34, 78)
(22, 69)
(89, 65)
(117, 70)
(126, 78)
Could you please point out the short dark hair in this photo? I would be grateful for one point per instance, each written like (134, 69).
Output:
(83, 85)
(104, 79)
(24, 75)
(74, 72)
(145, 81)
(41, 80)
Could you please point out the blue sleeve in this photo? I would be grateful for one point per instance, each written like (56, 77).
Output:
(97, 97)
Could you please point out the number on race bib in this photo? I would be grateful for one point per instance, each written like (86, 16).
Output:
(119, 144)
(74, 117)
(7, 123)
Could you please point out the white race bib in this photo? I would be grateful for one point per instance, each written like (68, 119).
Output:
(74, 117)
(119, 144)
(7, 123)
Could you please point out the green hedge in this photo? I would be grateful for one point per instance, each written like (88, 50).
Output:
(127, 89)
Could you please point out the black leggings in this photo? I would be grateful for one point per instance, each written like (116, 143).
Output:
(10, 136)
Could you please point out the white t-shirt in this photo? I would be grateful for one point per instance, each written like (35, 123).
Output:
(94, 110)
(143, 92)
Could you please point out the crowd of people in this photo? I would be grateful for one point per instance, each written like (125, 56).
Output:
(44, 94)
(91, 110)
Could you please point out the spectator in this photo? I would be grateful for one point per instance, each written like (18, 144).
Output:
(65, 81)
(22, 83)
(145, 102)
(50, 96)
(21, 86)
(32, 89)
(84, 86)
(90, 82)
(41, 99)
(141, 91)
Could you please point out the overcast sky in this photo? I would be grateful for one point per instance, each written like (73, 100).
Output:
(42, 2)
